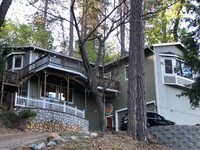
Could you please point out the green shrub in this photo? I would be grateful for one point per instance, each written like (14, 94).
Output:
(10, 119)
(27, 113)
(13, 120)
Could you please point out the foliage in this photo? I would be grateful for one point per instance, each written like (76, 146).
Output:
(22, 34)
(27, 113)
(162, 26)
(12, 119)
(92, 53)
(190, 36)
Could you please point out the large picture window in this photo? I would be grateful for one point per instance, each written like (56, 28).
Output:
(51, 91)
(56, 92)
(63, 95)
(183, 70)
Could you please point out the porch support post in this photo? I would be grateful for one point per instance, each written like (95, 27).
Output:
(67, 90)
(2, 88)
(45, 82)
(11, 104)
(38, 95)
(60, 91)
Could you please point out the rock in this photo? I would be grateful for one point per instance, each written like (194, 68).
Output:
(40, 146)
(26, 147)
(93, 135)
(54, 136)
(74, 137)
(33, 146)
(51, 143)
(86, 137)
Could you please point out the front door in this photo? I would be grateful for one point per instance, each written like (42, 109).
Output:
(109, 123)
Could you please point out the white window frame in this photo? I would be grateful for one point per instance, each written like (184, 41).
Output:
(13, 63)
(22, 60)
(57, 93)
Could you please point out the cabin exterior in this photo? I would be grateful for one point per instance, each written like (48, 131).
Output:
(39, 78)
(166, 77)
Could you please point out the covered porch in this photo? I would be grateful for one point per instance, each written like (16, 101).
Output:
(22, 101)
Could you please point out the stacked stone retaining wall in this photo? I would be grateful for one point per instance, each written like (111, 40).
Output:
(179, 137)
(51, 121)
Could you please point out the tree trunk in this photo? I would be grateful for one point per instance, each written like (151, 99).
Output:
(71, 34)
(136, 83)
(122, 31)
(5, 4)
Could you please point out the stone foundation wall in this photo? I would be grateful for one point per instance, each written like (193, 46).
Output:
(51, 121)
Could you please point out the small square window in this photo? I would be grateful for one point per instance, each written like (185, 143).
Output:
(168, 66)
(18, 61)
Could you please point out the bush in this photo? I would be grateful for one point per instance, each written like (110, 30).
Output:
(13, 120)
(10, 119)
(27, 113)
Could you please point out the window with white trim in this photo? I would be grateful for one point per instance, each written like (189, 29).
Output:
(168, 66)
(178, 67)
(56, 92)
(183, 70)
(14, 63)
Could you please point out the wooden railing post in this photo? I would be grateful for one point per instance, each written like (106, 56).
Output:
(75, 108)
(44, 101)
(15, 98)
(83, 113)
(64, 107)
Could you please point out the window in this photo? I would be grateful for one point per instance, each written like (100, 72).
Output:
(55, 92)
(183, 70)
(63, 95)
(18, 61)
(168, 66)
(15, 62)
(50, 91)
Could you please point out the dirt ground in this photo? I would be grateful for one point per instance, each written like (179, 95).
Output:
(110, 141)
(14, 139)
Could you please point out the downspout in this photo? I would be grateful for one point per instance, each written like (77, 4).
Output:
(156, 81)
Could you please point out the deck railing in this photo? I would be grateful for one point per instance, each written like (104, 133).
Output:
(10, 77)
(22, 101)
(69, 64)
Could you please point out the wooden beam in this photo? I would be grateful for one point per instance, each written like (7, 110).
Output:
(38, 95)
(45, 83)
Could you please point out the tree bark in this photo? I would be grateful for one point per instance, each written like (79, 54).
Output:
(71, 34)
(5, 4)
(136, 83)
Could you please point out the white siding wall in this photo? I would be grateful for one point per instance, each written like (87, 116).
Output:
(170, 106)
